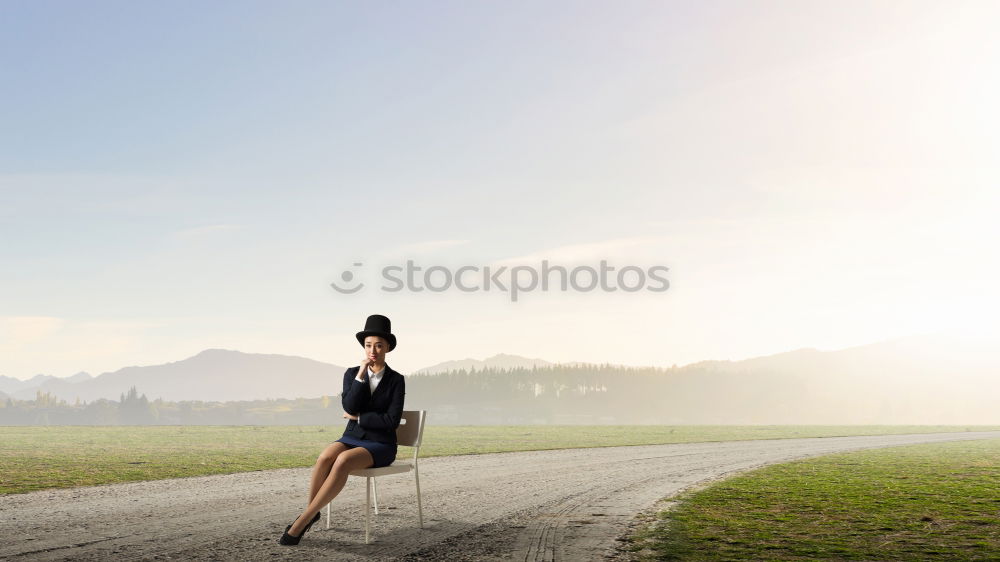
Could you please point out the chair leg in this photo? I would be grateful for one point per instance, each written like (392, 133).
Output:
(420, 508)
(375, 493)
(368, 509)
(328, 515)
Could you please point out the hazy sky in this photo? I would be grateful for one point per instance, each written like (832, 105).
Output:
(185, 175)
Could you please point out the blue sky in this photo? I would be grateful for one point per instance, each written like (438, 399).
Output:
(188, 175)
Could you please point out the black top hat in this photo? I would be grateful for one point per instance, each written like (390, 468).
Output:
(377, 325)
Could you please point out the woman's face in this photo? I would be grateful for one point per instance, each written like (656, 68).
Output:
(376, 348)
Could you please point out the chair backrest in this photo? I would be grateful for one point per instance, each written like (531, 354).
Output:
(411, 430)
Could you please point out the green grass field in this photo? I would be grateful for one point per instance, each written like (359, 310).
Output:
(917, 502)
(41, 457)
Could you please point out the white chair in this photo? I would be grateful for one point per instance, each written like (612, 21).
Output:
(408, 434)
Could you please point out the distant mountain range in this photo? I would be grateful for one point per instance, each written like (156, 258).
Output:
(9, 384)
(910, 380)
(498, 361)
(917, 380)
(223, 375)
(212, 375)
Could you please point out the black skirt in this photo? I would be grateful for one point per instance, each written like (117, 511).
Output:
(382, 453)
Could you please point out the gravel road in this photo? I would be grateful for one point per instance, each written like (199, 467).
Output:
(543, 505)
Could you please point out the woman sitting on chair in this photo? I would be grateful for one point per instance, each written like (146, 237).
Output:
(373, 404)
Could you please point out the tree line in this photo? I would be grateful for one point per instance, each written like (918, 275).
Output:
(549, 394)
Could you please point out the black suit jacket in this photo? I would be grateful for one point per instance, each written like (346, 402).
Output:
(379, 412)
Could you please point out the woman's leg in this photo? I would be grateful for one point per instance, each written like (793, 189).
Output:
(349, 460)
(323, 466)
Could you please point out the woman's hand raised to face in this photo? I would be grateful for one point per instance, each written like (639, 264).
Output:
(363, 371)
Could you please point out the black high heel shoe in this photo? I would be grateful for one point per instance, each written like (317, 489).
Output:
(290, 539)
